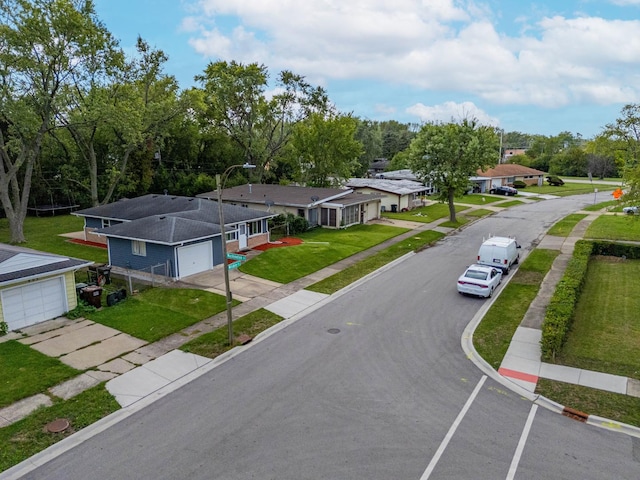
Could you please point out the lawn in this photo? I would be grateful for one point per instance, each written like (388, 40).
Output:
(426, 214)
(349, 275)
(159, 312)
(478, 199)
(215, 343)
(605, 333)
(615, 227)
(609, 205)
(570, 189)
(493, 336)
(564, 227)
(21, 372)
(320, 248)
(43, 233)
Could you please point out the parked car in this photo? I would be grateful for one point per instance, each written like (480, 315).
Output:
(499, 252)
(479, 280)
(504, 190)
(631, 210)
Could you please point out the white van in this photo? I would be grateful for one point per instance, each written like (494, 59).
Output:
(500, 252)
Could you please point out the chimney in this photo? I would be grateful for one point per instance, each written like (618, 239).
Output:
(249, 188)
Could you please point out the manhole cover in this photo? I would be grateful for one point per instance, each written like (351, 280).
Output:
(57, 426)
(334, 330)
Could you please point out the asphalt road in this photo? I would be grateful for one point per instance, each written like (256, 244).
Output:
(373, 385)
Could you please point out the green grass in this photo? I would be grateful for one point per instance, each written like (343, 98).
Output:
(478, 199)
(570, 189)
(493, 336)
(605, 333)
(215, 343)
(460, 221)
(21, 372)
(614, 406)
(599, 206)
(615, 227)
(43, 233)
(349, 275)
(510, 203)
(159, 312)
(27, 437)
(426, 214)
(321, 248)
(478, 212)
(564, 227)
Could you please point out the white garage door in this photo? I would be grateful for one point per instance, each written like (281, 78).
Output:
(195, 258)
(35, 302)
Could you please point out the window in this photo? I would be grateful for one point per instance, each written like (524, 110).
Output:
(350, 215)
(255, 228)
(106, 223)
(232, 235)
(139, 248)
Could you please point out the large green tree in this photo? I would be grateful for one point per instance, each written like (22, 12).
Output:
(238, 103)
(625, 132)
(46, 49)
(325, 150)
(447, 154)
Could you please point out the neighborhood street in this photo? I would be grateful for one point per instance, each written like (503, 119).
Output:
(372, 385)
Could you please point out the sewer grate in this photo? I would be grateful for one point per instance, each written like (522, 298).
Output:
(333, 330)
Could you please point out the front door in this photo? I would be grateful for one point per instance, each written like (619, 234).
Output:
(242, 236)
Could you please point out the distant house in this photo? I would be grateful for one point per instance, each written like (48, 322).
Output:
(378, 165)
(507, 153)
(397, 195)
(36, 286)
(506, 174)
(180, 236)
(405, 174)
(327, 207)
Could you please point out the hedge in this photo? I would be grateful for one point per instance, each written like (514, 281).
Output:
(559, 315)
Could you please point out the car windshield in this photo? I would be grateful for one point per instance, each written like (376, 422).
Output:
(476, 274)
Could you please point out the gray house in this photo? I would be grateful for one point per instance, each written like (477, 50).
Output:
(326, 207)
(178, 236)
(397, 195)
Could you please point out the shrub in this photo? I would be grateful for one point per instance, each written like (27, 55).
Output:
(559, 315)
(519, 184)
(555, 181)
(80, 311)
(4, 328)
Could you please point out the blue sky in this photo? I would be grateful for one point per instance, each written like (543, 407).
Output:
(536, 67)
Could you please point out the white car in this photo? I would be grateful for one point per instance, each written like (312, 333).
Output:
(631, 210)
(479, 280)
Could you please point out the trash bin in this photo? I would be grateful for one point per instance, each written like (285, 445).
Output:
(79, 287)
(105, 271)
(394, 208)
(92, 295)
(116, 297)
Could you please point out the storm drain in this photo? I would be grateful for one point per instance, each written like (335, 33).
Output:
(333, 330)
(57, 426)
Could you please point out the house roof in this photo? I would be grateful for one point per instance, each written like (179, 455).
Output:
(404, 174)
(18, 264)
(287, 195)
(509, 170)
(168, 219)
(397, 187)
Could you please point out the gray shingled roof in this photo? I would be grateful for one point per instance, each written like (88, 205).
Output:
(169, 219)
(50, 263)
(398, 187)
(286, 195)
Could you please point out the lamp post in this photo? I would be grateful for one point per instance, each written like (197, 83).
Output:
(220, 179)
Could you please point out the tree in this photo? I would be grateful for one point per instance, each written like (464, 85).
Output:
(626, 131)
(448, 154)
(325, 149)
(368, 133)
(235, 95)
(46, 48)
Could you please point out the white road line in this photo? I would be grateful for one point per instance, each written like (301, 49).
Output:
(523, 439)
(452, 430)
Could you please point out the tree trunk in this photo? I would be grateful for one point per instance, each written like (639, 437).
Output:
(452, 207)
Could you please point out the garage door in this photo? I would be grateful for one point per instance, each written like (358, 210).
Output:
(35, 302)
(195, 258)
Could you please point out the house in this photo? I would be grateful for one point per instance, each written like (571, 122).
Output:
(36, 286)
(178, 236)
(506, 174)
(378, 165)
(397, 195)
(327, 207)
(405, 174)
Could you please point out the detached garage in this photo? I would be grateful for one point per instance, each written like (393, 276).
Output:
(35, 286)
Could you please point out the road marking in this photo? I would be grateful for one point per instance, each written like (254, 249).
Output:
(523, 439)
(443, 445)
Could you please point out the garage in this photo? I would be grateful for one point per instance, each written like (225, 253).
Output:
(195, 258)
(34, 302)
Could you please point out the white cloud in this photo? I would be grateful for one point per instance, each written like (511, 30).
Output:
(451, 111)
(438, 45)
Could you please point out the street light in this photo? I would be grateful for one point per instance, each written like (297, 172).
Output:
(220, 179)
